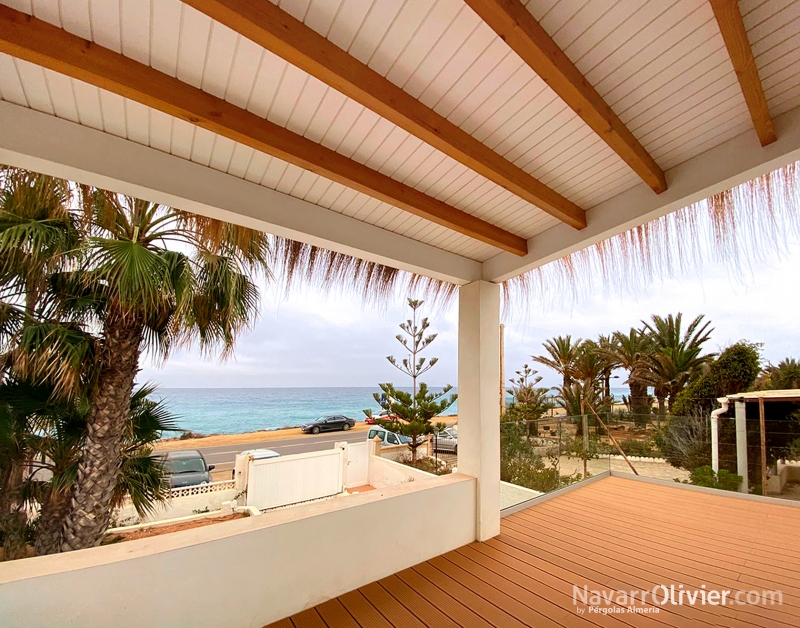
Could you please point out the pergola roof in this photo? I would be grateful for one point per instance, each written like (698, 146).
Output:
(416, 134)
(767, 395)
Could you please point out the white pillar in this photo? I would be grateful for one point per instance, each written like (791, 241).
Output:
(715, 443)
(741, 444)
(478, 407)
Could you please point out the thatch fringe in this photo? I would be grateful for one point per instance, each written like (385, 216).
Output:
(737, 227)
(302, 265)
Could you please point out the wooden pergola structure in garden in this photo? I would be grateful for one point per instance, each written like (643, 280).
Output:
(469, 141)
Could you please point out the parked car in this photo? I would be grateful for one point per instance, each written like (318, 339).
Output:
(387, 437)
(384, 415)
(328, 423)
(185, 468)
(262, 454)
(446, 440)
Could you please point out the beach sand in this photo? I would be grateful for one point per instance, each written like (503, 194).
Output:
(213, 440)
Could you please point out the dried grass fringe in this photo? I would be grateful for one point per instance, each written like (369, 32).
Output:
(737, 227)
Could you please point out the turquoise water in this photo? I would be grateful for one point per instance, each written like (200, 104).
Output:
(238, 410)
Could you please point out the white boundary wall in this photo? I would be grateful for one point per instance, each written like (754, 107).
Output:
(384, 472)
(247, 572)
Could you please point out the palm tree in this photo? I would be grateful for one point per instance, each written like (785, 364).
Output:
(147, 277)
(145, 296)
(784, 376)
(630, 352)
(677, 357)
(58, 446)
(605, 346)
(562, 353)
(37, 233)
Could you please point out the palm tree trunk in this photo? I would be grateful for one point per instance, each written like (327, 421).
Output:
(12, 518)
(90, 510)
(55, 508)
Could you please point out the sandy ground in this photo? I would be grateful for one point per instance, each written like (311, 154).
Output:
(657, 470)
(238, 439)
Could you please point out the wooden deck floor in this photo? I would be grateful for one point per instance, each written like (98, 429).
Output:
(614, 534)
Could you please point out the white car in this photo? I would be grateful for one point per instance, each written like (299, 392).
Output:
(387, 437)
(262, 454)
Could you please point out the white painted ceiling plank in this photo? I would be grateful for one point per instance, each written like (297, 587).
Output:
(62, 96)
(219, 60)
(165, 40)
(137, 122)
(106, 30)
(135, 23)
(113, 109)
(182, 138)
(193, 46)
(75, 17)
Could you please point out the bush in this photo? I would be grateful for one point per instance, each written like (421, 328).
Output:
(427, 464)
(644, 448)
(521, 465)
(705, 476)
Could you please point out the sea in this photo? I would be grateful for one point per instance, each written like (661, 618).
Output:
(239, 410)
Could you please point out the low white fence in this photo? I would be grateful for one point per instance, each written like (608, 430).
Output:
(294, 479)
(182, 502)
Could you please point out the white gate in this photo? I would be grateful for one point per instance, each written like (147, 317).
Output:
(293, 479)
(357, 464)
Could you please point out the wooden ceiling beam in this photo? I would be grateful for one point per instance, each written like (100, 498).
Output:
(519, 29)
(731, 25)
(272, 28)
(51, 47)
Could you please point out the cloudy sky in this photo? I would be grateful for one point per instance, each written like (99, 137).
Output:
(310, 340)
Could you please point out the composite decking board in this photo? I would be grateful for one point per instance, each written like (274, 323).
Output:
(741, 522)
(492, 613)
(524, 596)
(389, 607)
(679, 542)
(333, 613)
(632, 577)
(498, 597)
(454, 609)
(614, 534)
(283, 623)
(364, 612)
(308, 618)
(679, 573)
(526, 589)
(417, 604)
(533, 582)
(685, 572)
(708, 556)
(703, 530)
(738, 532)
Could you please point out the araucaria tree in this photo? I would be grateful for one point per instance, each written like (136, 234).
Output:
(415, 341)
(411, 414)
(106, 279)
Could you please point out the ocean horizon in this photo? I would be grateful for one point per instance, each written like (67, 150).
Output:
(240, 410)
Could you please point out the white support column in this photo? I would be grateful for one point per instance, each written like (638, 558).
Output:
(741, 444)
(478, 407)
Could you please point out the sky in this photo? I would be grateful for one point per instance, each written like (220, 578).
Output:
(308, 339)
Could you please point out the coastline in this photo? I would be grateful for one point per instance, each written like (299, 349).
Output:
(280, 433)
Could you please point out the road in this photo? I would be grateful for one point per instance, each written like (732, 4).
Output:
(223, 456)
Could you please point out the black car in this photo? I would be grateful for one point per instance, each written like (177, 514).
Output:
(328, 423)
(185, 468)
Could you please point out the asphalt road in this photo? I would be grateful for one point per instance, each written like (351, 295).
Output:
(223, 456)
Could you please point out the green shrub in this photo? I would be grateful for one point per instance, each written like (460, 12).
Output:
(705, 476)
